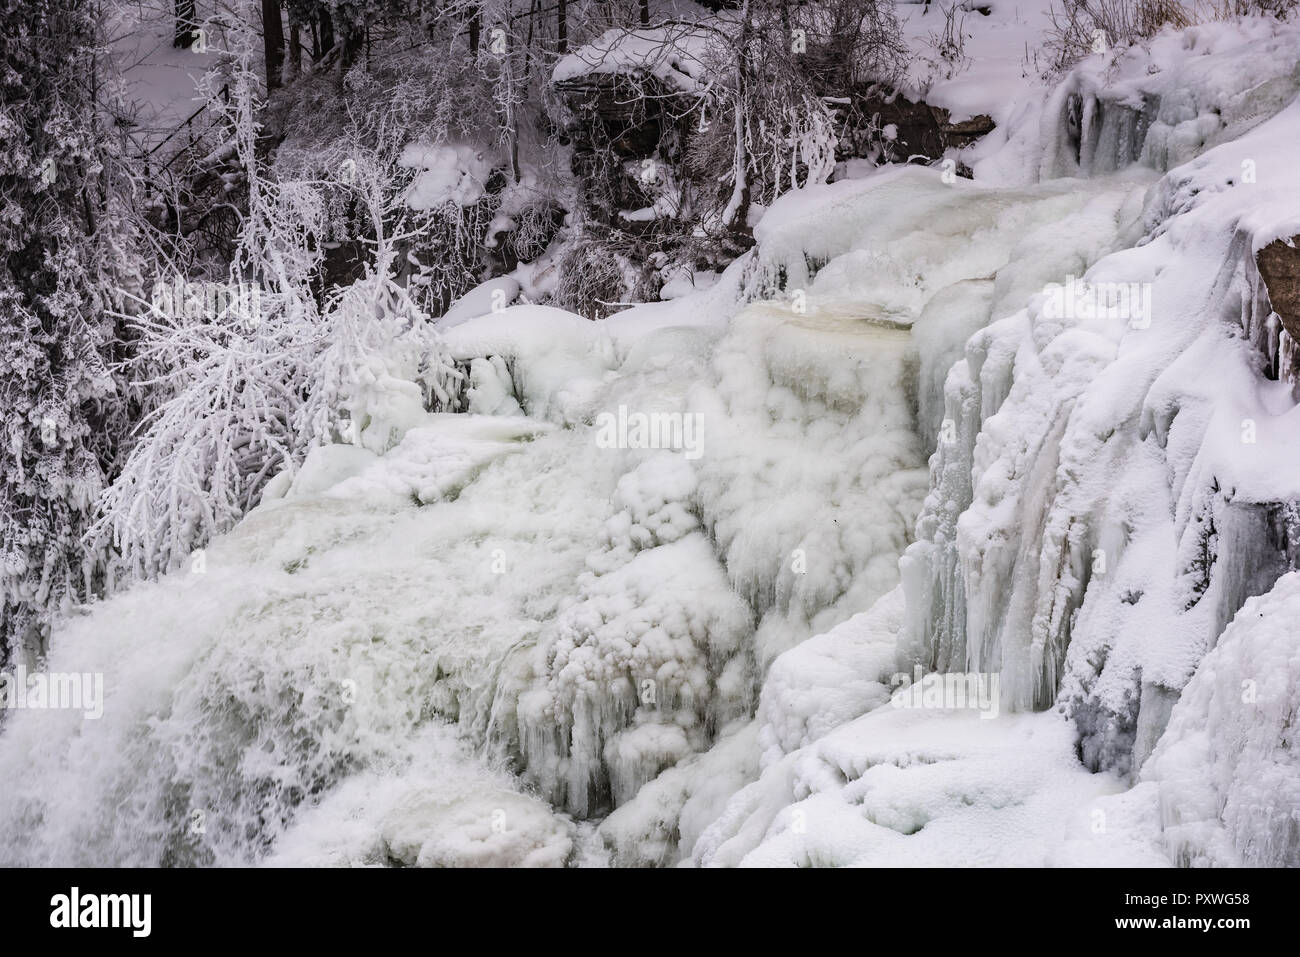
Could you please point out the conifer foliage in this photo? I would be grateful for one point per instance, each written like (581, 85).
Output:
(60, 243)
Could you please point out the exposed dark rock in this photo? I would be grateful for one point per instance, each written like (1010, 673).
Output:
(1279, 266)
(1270, 305)
(612, 119)
(918, 135)
(963, 133)
(924, 132)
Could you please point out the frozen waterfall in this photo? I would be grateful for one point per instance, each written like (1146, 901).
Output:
(648, 601)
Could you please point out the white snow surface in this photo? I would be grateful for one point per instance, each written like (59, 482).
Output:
(446, 173)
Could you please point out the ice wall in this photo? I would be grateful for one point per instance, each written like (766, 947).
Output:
(1226, 771)
(1092, 525)
(1165, 102)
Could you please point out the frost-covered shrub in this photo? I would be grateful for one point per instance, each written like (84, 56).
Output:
(241, 391)
(771, 124)
(242, 398)
(600, 274)
(1281, 9)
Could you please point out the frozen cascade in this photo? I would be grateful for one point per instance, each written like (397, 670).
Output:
(330, 635)
(303, 675)
(1044, 432)
(1165, 103)
(1105, 496)
(295, 695)
(902, 267)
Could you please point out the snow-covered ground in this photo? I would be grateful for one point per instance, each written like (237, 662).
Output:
(658, 596)
(160, 81)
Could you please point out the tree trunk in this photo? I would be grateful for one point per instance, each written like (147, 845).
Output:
(185, 24)
(510, 120)
(736, 215)
(353, 39)
(562, 25)
(272, 42)
(326, 32)
(645, 12)
(475, 28)
(295, 47)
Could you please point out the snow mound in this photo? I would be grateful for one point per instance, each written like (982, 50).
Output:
(451, 173)
(674, 54)
(551, 362)
(830, 679)
(443, 808)
(929, 788)
(492, 295)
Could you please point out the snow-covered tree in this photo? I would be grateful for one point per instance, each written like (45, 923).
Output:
(782, 65)
(244, 376)
(67, 264)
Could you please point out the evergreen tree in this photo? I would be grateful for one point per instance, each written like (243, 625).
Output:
(61, 242)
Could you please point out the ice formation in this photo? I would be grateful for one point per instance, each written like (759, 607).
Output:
(1225, 771)
(1114, 482)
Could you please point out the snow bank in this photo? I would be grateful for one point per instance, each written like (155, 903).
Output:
(830, 679)
(929, 788)
(551, 361)
(675, 54)
(994, 80)
(493, 295)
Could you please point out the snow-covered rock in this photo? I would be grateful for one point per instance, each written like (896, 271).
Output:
(1228, 768)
